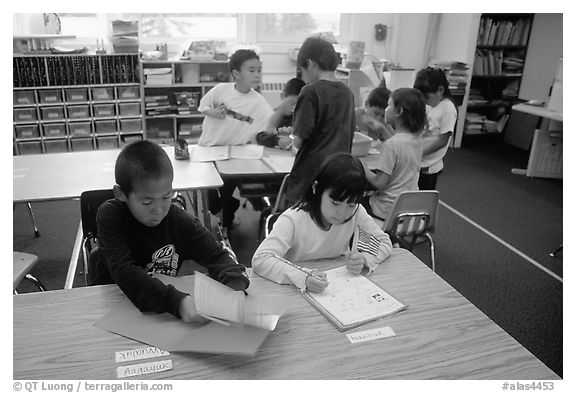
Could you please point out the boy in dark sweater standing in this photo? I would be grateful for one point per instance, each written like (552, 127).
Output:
(324, 119)
(140, 232)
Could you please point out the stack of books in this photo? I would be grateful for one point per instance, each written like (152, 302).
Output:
(479, 124)
(125, 36)
(186, 102)
(157, 105)
(457, 76)
(158, 76)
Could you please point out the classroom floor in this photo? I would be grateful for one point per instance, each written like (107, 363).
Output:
(495, 233)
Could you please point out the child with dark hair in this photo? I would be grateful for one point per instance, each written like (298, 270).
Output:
(399, 163)
(321, 225)
(233, 114)
(441, 113)
(324, 119)
(370, 118)
(140, 233)
(279, 129)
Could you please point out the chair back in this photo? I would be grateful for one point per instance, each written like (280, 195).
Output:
(90, 201)
(279, 206)
(413, 213)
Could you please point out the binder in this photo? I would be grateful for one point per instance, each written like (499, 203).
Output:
(352, 300)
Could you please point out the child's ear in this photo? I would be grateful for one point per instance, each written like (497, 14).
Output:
(235, 74)
(119, 194)
(441, 91)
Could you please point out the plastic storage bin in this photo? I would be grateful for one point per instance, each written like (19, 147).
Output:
(105, 126)
(82, 144)
(129, 108)
(102, 93)
(50, 96)
(23, 97)
(78, 112)
(56, 146)
(76, 95)
(107, 142)
(104, 110)
(128, 92)
(53, 113)
(51, 130)
(27, 132)
(30, 147)
(80, 129)
(131, 125)
(23, 115)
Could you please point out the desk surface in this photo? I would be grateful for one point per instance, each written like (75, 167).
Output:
(53, 176)
(235, 167)
(541, 111)
(439, 336)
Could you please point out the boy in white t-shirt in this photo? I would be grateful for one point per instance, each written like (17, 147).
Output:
(233, 114)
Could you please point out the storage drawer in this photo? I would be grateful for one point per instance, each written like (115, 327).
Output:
(25, 114)
(102, 93)
(24, 97)
(78, 112)
(56, 146)
(128, 92)
(54, 129)
(107, 142)
(130, 125)
(129, 108)
(76, 95)
(34, 147)
(83, 144)
(50, 96)
(53, 113)
(104, 110)
(105, 126)
(80, 129)
(126, 139)
(27, 132)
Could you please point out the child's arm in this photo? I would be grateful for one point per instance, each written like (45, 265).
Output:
(284, 109)
(211, 105)
(435, 142)
(377, 179)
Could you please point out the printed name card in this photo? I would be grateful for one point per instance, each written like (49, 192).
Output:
(143, 368)
(139, 354)
(369, 335)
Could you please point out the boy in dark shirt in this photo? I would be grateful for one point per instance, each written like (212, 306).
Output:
(324, 119)
(141, 232)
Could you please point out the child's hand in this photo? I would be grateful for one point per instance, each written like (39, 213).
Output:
(284, 142)
(355, 262)
(219, 112)
(284, 130)
(188, 311)
(313, 284)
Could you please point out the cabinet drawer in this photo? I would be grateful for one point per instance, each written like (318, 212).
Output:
(80, 129)
(23, 97)
(56, 146)
(78, 112)
(50, 96)
(102, 93)
(54, 129)
(76, 95)
(130, 125)
(30, 147)
(128, 92)
(105, 126)
(107, 142)
(27, 132)
(25, 115)
(83, 144)
(53, 113)
(129, 108)
(104, 110)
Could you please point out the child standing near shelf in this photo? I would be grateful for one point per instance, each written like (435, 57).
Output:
(233, 114)
(327, 222)
(140, 232)
(324, 119)
(398, 166)
(441, 114)
(370, 119)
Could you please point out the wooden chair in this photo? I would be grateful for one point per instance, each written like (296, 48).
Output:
(22, 265)
(413, 216)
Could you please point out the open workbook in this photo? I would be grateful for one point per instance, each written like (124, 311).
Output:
(352, 300)
(216, 153)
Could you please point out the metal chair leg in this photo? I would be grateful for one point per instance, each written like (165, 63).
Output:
(36, 232)
(429, 237)
(35, 281)
(553, 254)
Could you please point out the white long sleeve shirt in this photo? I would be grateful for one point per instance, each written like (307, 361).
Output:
(296, 237)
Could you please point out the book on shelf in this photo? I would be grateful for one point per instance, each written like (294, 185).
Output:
(352, 300)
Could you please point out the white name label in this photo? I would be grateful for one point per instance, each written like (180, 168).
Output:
(143, 368)
(139, 353)
(369, 335)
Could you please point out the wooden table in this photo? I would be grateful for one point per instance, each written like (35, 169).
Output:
(56, 176)
(441, 335)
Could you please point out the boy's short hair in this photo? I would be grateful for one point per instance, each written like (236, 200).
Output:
(293, 87)
(378, 98)
(239, 57)
(319, 50)
(429, 79)
(413, 105)
(141, 160)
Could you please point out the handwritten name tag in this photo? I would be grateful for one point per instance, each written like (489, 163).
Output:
(143, 368)
(139, 353)
(369, 335)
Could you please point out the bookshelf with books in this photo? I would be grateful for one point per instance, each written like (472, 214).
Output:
(75, 102)
(501, 48)
(171, 92)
